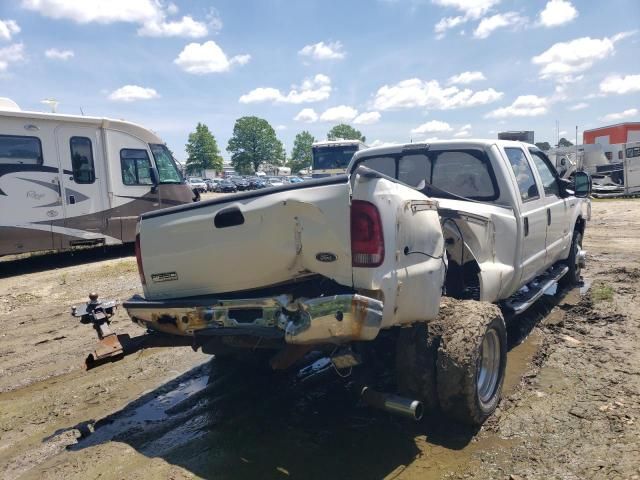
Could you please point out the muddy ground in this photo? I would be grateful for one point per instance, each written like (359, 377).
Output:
(571, 407)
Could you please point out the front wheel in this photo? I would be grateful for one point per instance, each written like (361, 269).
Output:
(574, 262)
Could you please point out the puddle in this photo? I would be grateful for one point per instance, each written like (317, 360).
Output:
(518, 361)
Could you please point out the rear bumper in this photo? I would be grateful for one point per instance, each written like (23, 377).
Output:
(331, 319)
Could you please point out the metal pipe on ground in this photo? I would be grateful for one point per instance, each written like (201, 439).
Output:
(392, 403)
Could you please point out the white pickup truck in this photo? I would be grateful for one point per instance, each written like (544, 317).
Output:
(337, 264)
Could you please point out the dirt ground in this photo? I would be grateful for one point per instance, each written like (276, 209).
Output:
(571, 408)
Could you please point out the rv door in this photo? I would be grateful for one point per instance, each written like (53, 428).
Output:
(84, 188)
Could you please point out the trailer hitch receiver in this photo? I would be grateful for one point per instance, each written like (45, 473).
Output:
(98, 313)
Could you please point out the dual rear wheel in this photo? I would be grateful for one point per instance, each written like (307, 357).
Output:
(455, 364)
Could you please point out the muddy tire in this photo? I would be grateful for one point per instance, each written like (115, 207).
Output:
(572, 277)
(416, 355)
(471, 363)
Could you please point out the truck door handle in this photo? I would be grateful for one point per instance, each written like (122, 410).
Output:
(72, 199)
(548, 216)
(526, 226)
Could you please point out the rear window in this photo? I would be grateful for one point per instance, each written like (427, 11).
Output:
(20, 150)
(465, 173)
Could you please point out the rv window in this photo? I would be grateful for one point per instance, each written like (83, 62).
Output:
(18, 150)
(167, 170)
(135, 166)
(82, 160)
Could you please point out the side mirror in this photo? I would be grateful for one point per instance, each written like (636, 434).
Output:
(581, 184)
(155, 179)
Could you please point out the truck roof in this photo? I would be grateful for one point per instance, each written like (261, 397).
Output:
(324, 143)
(102, 122)
(467, 143)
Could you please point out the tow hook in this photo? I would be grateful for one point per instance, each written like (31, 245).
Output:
(98, 314)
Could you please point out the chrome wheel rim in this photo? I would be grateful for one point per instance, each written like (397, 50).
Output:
(489, 371)
(576, 258)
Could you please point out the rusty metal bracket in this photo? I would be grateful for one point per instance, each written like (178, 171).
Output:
(98, 314)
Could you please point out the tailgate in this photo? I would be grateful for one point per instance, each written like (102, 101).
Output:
(248, 241)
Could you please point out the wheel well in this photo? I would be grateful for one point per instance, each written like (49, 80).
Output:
(580, 225)
(462, 281)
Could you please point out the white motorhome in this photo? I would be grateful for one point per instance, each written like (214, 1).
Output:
(68, 180)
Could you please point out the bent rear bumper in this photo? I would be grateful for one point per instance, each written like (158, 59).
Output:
(331, 319)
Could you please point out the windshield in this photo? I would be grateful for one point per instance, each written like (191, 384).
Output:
(332, 158)
(167, 170)
(463, 173)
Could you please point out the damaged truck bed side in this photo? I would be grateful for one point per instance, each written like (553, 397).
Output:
(341, 262)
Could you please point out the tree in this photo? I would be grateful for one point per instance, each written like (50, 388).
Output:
(564, 143)
(345, 132)
(301, 153)
(543, 146)
(203, 151)
(254, 142)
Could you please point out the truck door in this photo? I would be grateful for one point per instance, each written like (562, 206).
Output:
(533, 212)
(83, 186)
(559, 230)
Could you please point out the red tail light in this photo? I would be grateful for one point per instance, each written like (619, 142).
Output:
(139, 260)
(367, 240)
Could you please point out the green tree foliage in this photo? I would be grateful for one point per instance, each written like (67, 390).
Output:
(564, 143)
(301, 153)
(254, 142)
(543, 146)
(203, 151)
(345, 132)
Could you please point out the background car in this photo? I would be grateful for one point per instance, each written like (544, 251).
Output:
(240, 183)
(212, 183)
(274, 182)
(257, 183)
(227, 186)
(197, 184)
(294, 179)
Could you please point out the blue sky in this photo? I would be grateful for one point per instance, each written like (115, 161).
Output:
(398, 69)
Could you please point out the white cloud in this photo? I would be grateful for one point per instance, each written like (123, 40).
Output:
(467, 77)
(434, 126)
(578, 106)
(131, 93)
(281, 127)
(381, 143)
(447, 23)
(470, 8)
(152, 15)
(557, 12)
(323, 51)
(8, 28)
(620, 85)
(569, 58)
(341, 113)
(367, 118)
(523, 106)
(487, 25)
(414, 92)
(464, 131)
(11, 54)
(306, 115)
(612, 117)
(312, 90)
(55, 54)
(185, 27)
(208, 57)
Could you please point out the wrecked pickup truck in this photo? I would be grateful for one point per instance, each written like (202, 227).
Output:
(422, 245)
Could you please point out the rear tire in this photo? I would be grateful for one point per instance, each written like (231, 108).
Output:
(416, 355)
(573, 276)
(472, 359)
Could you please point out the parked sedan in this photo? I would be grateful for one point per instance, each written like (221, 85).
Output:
(212, 183)
(227, 186)
(240, 183)
(257, 183)
(274, 182)
(197, 184)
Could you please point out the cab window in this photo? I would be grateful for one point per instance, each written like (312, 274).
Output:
(549, 180)
(524, 175)
(82, 160)
(135, 167)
